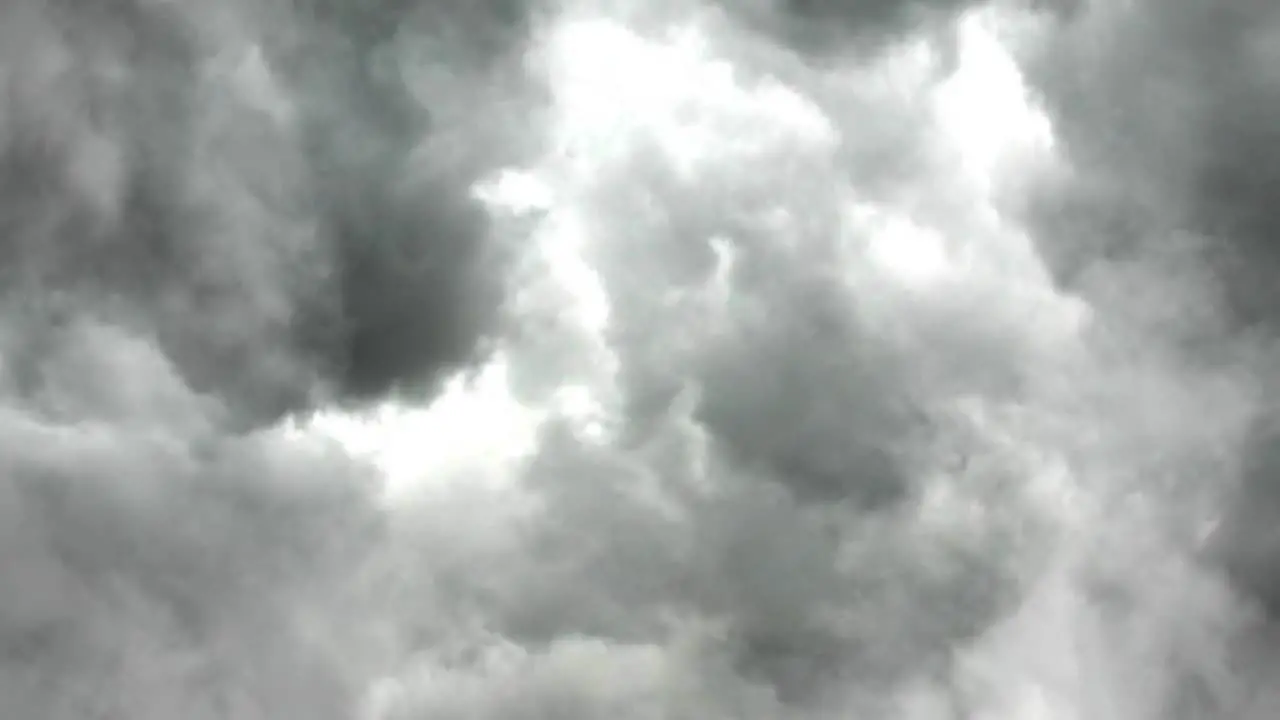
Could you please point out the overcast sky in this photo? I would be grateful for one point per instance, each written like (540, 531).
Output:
(680, 359)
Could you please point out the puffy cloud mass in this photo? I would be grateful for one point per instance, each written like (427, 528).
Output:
(1165, 111)
(577, 359)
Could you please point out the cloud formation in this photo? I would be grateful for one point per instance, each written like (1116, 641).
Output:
(282, 199)
(577, 360)
(827, 27)
(1164, 109)
(1165, 113)
(213, 218)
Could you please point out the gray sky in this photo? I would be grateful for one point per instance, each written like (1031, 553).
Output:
(391, 360)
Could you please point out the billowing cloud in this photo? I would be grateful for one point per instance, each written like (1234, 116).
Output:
(282, 199)
(580, 360)
(154, 565)
(213, 217)
(1164, 111)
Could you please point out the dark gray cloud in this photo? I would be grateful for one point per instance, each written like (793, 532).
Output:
(282, 198)
(398, 133)
(827, 28)
(211, 217)
(1166, 113)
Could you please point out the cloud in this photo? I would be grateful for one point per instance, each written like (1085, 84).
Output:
(826, 28)
(762, 464)
(155, 565)
(1163, 112)
(397, 360)
(400, 127)
(215, 220)
(284, 200)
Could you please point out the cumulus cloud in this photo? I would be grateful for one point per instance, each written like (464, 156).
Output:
(578, 360)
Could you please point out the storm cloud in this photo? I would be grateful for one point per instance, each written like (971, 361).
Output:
(214, 218)
(1166, 112)
(278, 197)
(580, 359)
